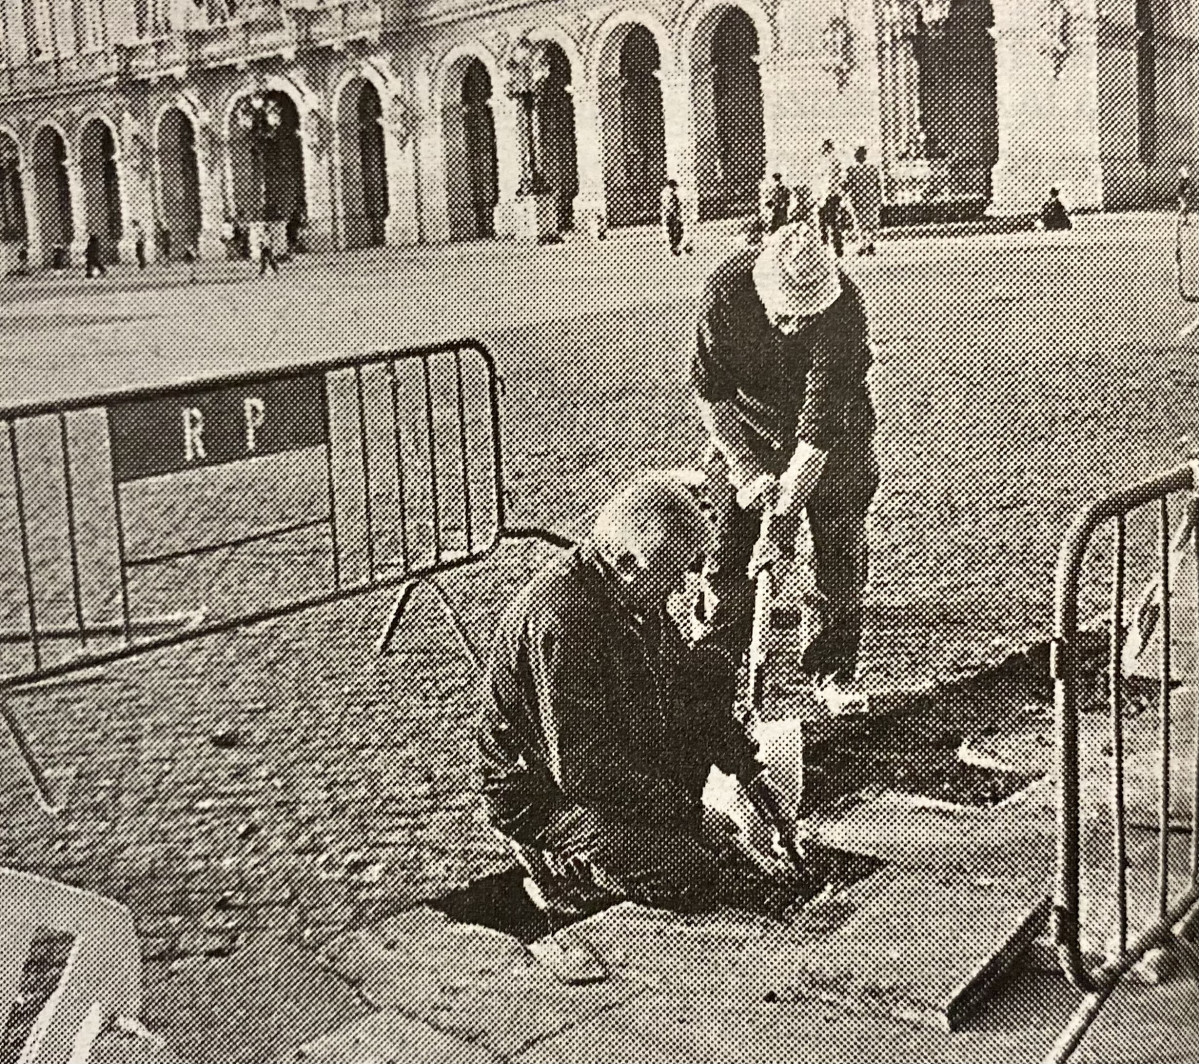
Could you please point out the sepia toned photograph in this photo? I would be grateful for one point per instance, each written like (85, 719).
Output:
(598, 531)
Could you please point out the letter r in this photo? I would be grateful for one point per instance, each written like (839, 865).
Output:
(193, 434)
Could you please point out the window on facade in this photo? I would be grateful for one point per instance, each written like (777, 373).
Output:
(1146, 84)
(38, 17)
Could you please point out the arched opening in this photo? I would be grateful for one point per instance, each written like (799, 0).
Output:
(1146, 83)
(471, 169)
(266, 159)
(958, 100)
(726, 98)
(13, 224)
(101, 186)
(632, 128)
(557, 151)
(179, 178)
(364, 202)
(52, 190)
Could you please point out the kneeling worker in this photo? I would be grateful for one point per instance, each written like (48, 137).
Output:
(600, 725)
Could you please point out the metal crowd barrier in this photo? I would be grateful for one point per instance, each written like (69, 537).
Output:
(1173, 900)
(275, 491)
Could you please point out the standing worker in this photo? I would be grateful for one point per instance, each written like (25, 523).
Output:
(779, 375)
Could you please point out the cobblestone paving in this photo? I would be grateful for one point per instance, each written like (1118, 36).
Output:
(1017, 378)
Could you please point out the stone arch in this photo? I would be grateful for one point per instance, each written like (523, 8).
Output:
(14, 226)
(632, 123)
(557, 142)
(177, 163)
(361, 194)
(49, 161)
(267, 176)
(612, 32)
(469, 145)
(697, 22)
(555, 34)
(452, 66)
(728, 119)
(100, 181)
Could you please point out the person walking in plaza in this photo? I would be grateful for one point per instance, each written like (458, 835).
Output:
(828, 186)
(776, 204)
(779, 376)
(671, 212)
(864, 190)
(600, 725)
(139, 244)
(261, 232)
(93, 258)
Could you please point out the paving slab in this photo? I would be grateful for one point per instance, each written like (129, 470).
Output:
(392, 1036)
(925, 833)
(1145, 1025)
(250, 1006)
(466, 980)
(678, 1027)
(924, 948)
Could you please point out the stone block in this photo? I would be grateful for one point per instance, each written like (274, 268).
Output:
(390, 1036)
(925, 948)
(467, 980)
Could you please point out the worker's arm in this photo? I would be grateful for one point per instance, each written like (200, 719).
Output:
(574, 682)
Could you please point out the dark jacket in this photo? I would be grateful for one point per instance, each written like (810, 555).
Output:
(808, 386)
(588, 705)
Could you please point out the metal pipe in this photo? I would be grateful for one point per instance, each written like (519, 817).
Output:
(1163, 870)
(72, 532)
(1116, 680)
(1161, 933)
(23, 527)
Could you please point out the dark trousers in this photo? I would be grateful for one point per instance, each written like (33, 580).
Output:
(830, 223)
(657, 864)
(836, 512)
(266, 257)
(674, 233)
(139, 249)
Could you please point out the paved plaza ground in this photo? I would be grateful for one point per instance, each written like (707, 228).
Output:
(1018, 377)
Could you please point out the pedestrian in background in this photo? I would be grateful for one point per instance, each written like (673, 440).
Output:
(1053, 213)
(864, 190)
(828, 186)
(776, 203)
(672, 215)
(139, 244)
(93, 260)
(162, 237)
(266, 253)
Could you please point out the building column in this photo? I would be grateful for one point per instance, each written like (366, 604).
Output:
(1049, 130)
(78, 205)
(680, 143)
(212, 150)
(33, 228)
(508, 155)
(316, 140)
(432, 180)
(400, 158)
(591, 210)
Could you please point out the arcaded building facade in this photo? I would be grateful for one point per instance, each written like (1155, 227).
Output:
(376, 122)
